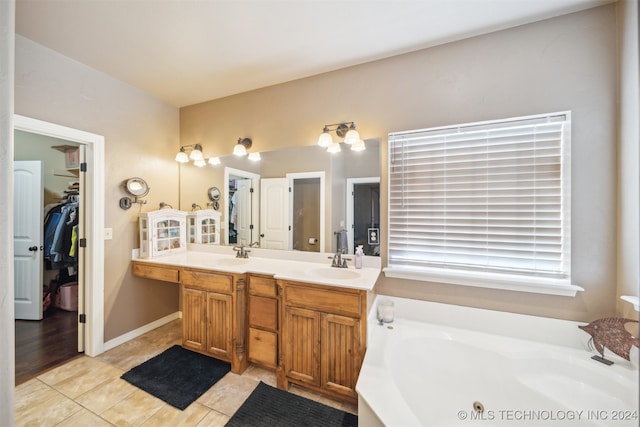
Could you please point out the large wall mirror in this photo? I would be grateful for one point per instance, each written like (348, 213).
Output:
(329, 193)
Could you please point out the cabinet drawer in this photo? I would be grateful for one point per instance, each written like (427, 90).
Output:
(157, 272)
(325, 299)
(262, 347)
(207, 281)
(263, 312)
(264, 286)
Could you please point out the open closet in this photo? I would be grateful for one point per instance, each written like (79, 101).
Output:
(48, 336)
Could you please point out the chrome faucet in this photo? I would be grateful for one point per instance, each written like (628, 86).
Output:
(242, 252)
(338, 261)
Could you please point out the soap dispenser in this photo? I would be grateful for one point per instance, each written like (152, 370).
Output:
(359, 256)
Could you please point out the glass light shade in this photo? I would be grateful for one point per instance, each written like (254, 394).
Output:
(196, 154)
(239, 150)
(358, 146)
(352, 136)
(325, 139)
(334, 148)
(182, 157)
(199, 163)
(214, 161)
(254, 157)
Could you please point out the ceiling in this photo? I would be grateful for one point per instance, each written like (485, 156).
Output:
(186, 51)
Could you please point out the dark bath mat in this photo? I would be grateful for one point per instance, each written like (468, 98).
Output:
(269, 406)
(177, 376)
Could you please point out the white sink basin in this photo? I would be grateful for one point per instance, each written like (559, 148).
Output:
(231, 261)
(332, 273)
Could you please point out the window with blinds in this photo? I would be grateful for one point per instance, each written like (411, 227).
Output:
(489, 197)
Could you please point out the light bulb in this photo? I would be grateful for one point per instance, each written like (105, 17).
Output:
(358, 146)
(325, 139)
(214, 161)
(239, 150)
(196, 153)
(254, 157)
(352, 136)
(182, 157)
(334, 148)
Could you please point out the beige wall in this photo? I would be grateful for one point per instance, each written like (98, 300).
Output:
(141, 136)
(565, 63)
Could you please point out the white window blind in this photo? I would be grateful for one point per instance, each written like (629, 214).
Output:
(491, 197)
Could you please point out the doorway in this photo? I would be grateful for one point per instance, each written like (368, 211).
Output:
(89, 336)
(47, 214)
(240, 206)
(363, 214)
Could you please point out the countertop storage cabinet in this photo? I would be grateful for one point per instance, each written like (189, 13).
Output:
(323, 338)
(203, 226)
(162, 232)
(262, 312)
(213, 315)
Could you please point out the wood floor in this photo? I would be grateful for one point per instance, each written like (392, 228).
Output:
(45, 344)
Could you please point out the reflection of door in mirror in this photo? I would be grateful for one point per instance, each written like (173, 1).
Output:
(240, 209)
(306, 215)
(274, 213)
(363, 213)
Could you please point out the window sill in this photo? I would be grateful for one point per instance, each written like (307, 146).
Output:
(539, 285)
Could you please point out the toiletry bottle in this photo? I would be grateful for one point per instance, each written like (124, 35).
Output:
(359, 256)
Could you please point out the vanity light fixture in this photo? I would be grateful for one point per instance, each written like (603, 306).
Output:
(214, 161)
(254, 157)
(195, 154)
(241, 147)
(346, 130)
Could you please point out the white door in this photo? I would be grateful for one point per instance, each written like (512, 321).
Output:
(274, 213)
(243, 211)
(28, 228)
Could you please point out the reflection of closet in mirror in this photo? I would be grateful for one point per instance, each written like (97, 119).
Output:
(363, 214)
(241, 211)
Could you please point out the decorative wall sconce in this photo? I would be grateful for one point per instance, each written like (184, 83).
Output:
(136, 188)
(346, 130)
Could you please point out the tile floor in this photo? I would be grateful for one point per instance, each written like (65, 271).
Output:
(88, 391)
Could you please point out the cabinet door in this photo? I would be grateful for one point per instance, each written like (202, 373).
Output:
(193, 319)
(219, 326)
(301, 334)
(340, 353)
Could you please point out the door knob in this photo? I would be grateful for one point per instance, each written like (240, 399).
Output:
(33, 248)
(262, 235)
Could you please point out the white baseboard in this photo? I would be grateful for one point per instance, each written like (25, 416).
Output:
(141, 331)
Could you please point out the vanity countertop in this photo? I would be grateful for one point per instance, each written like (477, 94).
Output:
(315, 268)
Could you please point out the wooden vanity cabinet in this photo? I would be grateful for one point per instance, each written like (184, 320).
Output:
(165, 273)
(262, 314)
(213, 315)
(323, 338)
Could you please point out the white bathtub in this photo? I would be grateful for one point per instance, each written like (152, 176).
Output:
(435, 361)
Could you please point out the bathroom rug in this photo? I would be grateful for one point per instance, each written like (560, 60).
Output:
(177, 376)
(270, 406)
